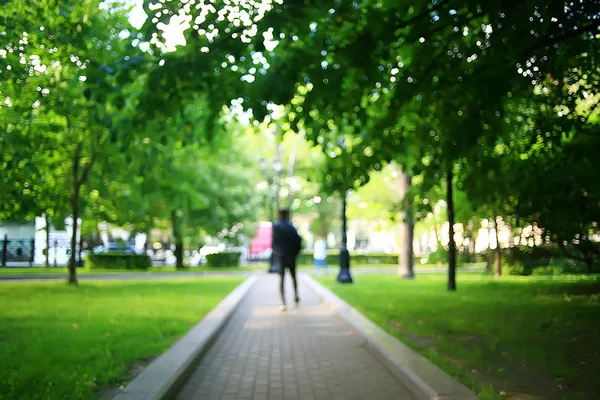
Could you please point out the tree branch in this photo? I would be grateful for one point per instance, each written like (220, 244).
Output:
(549, 40)
(409, 21)
(76, 159)
(86, 170)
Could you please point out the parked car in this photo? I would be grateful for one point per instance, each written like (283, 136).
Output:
(114, 247)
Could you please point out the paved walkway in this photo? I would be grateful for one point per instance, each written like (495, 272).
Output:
(308, 352)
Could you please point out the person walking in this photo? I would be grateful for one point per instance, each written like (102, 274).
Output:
(286, 247)
(320, 254)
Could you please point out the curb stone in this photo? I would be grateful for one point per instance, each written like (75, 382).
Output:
(162, 378)
(421, 376)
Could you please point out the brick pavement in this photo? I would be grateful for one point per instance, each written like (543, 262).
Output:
(308, 352)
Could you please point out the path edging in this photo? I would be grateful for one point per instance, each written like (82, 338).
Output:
(419, 375)
(165, 374)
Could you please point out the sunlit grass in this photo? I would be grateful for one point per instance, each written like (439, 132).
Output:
(157, 269)
(170, 269)
(417, 266)
(64, 342)
(532, 335)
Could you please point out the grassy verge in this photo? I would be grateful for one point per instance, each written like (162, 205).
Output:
(161, 269)
(417, 267)
(63, 342)
(64, 270)
(509, 338)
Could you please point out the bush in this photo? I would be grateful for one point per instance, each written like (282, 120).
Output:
(306, 258)
(514, 269)
(440, 256)
(375, 258)
(517, 261)
(569, 266)
(465, 257)
(547, 271)
(118, 261)
(333, 258)
(224, 259)
(487, 257)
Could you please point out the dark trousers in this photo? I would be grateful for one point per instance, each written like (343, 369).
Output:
(283, 265)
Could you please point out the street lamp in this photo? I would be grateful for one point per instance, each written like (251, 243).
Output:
(344, 275)
(273, 176)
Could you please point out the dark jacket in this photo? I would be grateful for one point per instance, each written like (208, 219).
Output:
(286, 242)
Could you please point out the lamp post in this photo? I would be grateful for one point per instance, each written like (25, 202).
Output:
(273, 176)
(344, 275)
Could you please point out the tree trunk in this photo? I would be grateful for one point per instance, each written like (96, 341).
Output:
(78, 181)
(407, 227)
(472, 237)
(451, 245)
(99, 232)
(475, 235)
(75, 215)
(47, 219)
(533, 228)
(178, 238)
(437, 232)
(179, 255)
(497, 253)
(148, 243)
(72, 279)
(324, 227)
(511, 236)
(590, 264)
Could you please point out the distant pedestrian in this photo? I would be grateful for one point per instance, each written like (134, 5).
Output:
(320, 254)
(286, 247)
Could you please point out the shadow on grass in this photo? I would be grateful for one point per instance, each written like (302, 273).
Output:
(521, 336)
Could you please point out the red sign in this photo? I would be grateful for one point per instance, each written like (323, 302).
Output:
(262, 241)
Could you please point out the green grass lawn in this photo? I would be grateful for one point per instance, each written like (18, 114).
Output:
(509, 338)
(441, 267)
(64, 270)
(250, 267)
(64, 342)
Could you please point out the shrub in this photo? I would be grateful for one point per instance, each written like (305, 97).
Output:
(375, 258)
(224, 259)
(465, 257)
(118, 261)
(529, 257)
(487, 256)
(440, 256)
(568, 266)
(514, 269)
(547, 271)
(551, 266)
(333, 258)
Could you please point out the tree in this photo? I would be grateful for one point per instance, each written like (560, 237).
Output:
(175, 173)
(443, 64)
(385, 200)
(74, 90)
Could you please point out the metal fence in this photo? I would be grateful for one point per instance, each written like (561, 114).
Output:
(60, 252)
(16, 250)
(22, 251)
